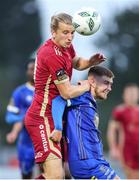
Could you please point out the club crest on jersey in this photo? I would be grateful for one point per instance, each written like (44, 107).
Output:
(61, 75)
(57, 51)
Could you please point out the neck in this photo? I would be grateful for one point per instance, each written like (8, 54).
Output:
(131, 104)
(30, 83)
(92, 92)
(54, 41)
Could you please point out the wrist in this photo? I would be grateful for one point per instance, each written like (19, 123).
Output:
(91, 61)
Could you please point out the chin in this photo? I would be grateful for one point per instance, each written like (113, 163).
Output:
(67, 46)
(102, 97)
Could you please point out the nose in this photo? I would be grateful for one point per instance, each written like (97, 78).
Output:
(70, 36)
(109, 87)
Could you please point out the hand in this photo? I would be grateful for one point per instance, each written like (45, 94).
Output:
(115, 153)
(56, 135)
(84, 83)
(96, 59)
(11, 137)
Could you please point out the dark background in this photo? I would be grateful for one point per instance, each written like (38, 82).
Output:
(19, 39)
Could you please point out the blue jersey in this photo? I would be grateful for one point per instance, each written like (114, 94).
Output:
(81, 126)
(20, 101)
(85, 149)
(82, 129)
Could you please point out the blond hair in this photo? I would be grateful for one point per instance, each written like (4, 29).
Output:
(61, 17)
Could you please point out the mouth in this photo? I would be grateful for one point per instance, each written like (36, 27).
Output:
(105, 94)
(68, 43)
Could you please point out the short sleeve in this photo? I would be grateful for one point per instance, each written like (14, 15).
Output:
(16, 98)
(57, 68)
(15, 102)
(116, 114)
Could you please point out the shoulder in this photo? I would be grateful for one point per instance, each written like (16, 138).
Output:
(20, 88)
(17, 93)
(119, 108)
(118, 111)
(48, 49)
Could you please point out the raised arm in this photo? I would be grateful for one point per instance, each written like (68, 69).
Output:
(80, 63)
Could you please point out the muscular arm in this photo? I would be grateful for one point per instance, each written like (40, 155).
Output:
(80, 63)
(68, 91)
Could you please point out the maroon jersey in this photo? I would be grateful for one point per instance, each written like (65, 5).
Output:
(129, 118)
(53, 66)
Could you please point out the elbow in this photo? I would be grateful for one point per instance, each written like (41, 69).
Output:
(66, 95)
(8, 119)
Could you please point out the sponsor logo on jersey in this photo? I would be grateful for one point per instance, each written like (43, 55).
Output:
(43, 137)
(38, 155)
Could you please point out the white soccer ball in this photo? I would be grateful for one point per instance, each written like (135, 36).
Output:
(86, 21)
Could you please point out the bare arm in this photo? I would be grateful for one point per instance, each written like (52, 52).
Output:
(115, 139)
(68, 91)
(12, 136)
(111, 135)
(80, 63)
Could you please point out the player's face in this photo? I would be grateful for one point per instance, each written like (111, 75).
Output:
(30, 72)
(63, 36)
(131, 95)
(103, 85)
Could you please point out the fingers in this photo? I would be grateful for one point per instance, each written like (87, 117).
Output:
(56, 136)
(101, 56)
(10, 138)
(55, 139)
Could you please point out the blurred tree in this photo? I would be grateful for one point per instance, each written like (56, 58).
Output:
(19, 38)
(121, 42)
(19, 31)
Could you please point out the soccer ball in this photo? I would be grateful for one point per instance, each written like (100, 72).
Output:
(86, 21)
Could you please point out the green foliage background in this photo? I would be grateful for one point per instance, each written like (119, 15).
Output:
(19, 38)
(123, 47)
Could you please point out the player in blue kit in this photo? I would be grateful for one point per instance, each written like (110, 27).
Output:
(85, 149)
(16, 109)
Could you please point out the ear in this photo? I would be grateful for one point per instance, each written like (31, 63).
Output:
(53, 34)
(91, 82)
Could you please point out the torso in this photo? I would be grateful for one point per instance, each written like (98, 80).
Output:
(51, 60)
(129, 119)
(82, 129)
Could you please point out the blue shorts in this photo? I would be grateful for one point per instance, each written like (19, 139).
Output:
(26, 158)
(91, 169)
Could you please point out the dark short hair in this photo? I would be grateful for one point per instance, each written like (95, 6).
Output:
(100, 71)
(30, 61)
